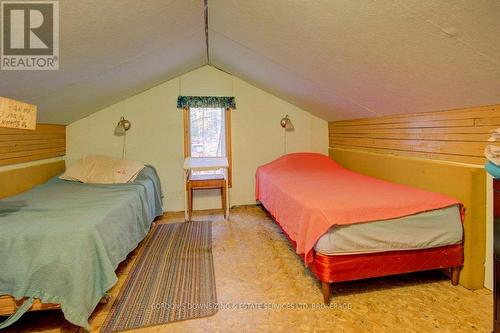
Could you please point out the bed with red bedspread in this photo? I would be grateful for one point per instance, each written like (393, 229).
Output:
(309, 195)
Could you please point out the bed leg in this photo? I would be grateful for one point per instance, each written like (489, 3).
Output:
(455, 275)
(105, 299)
(325, 286)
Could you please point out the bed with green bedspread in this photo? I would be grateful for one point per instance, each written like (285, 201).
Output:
(62, 241)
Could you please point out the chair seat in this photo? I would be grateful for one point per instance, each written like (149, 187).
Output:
(205, 182)
(210, 181)
(206, 177)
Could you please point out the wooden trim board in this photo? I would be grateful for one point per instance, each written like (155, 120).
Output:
(19, 180)
(8, 305)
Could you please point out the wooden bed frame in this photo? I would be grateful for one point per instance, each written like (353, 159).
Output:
(454, 271)
(464, 182)
(331, 269)
(416, 257)
(326, 286)
(17, 181)
(8, 305)
(464, 262)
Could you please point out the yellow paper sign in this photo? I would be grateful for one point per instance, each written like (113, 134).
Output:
(14, 114)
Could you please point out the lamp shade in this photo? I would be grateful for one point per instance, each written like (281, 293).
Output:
(286, 123)
(119, 129)
(122, 127)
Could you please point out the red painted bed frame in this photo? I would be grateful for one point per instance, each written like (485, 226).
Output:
(341, 268)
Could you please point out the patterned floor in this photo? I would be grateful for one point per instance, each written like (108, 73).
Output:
(262, 286)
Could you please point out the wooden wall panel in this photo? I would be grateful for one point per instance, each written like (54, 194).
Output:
(18, 146)
(454, 135)
(466, 183)
(19, 180)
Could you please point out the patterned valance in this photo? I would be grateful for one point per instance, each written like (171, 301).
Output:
(206, 102)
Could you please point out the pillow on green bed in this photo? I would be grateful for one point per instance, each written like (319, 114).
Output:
(97, 169)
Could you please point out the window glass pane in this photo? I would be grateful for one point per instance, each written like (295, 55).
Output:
(208, 134)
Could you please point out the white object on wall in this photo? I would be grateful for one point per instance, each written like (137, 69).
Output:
(15, 114)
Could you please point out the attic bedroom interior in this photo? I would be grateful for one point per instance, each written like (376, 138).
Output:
(249, 166)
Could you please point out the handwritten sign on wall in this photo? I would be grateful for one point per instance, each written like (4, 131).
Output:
(15, 114)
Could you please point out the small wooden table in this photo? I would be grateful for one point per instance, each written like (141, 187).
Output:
(205, 164)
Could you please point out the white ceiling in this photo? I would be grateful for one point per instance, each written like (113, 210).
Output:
(110, 50)
(337, 59)
(350, 59)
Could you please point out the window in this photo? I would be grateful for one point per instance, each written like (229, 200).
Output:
(207, 133)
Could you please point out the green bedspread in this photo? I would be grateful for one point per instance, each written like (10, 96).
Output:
(62, 241)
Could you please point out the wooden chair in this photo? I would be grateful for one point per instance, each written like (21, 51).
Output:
(205, 182)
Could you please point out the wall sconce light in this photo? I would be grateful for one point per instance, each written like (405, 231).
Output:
(286, 123)
(122, 127)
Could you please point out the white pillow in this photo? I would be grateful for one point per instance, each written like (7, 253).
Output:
(97, 169)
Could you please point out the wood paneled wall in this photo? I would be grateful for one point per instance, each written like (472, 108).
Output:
(456, 135)
(467, 183)
(18, 146)
(19, 180)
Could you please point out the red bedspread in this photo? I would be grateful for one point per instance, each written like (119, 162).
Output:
(308, 193)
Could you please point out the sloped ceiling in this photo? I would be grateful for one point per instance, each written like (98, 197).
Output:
(351, 59)
(337, 59)
(110, 50)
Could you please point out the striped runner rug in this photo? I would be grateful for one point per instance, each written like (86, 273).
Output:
(172, 279)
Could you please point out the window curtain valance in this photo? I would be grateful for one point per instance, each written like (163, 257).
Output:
(206, 102)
